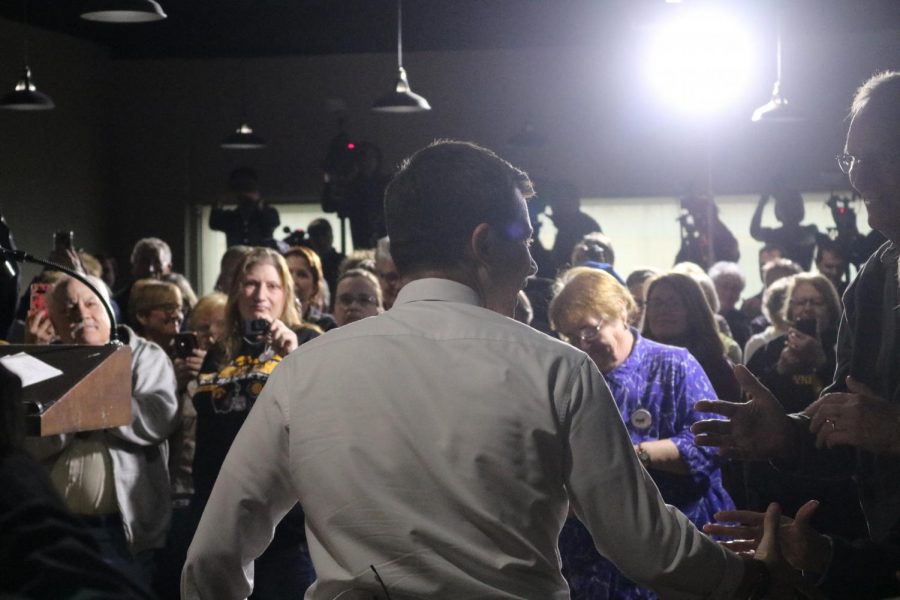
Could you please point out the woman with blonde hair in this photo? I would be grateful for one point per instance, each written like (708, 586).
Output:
(357, 296)
(655, 388)
(262, 326)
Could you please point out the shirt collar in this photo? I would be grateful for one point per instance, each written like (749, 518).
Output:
(437, 289)
(638, 350)
(890, 254)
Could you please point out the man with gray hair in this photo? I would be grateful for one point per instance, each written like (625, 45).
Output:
(151, 258)
(387, 272)
(115, 479)
(854, 427)
(445, 466)
(729, 281)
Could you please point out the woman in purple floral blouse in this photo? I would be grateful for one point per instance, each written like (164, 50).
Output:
(655, 387)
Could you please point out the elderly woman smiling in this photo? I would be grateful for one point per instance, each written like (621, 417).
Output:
(655, 387)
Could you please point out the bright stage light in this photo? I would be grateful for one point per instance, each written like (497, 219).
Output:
(699, 62)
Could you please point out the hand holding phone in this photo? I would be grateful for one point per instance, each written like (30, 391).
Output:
(185, 343)
(38, 297)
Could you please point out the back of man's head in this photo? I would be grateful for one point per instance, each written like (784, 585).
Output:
(440, 195)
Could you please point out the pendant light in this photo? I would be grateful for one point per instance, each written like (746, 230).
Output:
(122, 11)
(778, 109)
(401, 99)
(26, 96)
(243, 138)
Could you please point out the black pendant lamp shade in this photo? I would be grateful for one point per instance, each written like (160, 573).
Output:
(122, 11)
(243, 139)
(26, 96)
(401, 99)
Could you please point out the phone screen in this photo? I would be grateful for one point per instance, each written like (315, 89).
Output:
(38, 295)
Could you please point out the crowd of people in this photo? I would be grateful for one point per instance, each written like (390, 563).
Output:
(285, 442)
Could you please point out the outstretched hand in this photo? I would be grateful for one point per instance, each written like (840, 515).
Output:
(798, 543)
(758, 429)
(859, 417)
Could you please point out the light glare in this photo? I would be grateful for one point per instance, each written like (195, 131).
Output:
(699, 62)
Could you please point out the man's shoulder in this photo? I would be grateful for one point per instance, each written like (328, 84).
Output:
(443, 322)
(872, 274)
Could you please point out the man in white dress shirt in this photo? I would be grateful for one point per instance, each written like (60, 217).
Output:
(440, 444)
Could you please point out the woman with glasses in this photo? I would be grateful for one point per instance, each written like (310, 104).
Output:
(262, 326)
(357, 296)
(796, 366)
(677, 313)
(155, 308)
(655, 388)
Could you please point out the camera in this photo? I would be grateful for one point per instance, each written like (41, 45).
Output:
(185, 343)
(254, 328)
(844, 216)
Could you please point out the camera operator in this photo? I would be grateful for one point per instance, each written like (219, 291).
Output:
(700, 220)
(253, 222)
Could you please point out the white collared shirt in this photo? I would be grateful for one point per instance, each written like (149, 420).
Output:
(438, 442)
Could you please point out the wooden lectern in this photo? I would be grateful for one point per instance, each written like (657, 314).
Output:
(94, 391)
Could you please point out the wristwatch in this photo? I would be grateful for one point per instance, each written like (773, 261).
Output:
(643, 456)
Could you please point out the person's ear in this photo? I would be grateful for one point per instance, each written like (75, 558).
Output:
(142, 318)
(483, 244)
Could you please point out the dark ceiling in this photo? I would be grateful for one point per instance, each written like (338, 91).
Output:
(232, 28)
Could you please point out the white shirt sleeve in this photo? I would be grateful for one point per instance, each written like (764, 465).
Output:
(251, 495)
(650, 542)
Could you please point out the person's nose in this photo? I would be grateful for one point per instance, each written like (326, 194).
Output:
(532, 266)
(259, 293)
(82, 312)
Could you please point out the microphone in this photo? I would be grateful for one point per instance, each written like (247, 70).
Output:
(22, 256)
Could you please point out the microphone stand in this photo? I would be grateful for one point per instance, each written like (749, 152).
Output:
(22, 256)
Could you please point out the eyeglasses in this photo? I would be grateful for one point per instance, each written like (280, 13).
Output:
(658, 304)
(585, 334)
(361, 299)
(813, 302)
(848, 162)
(167, 308)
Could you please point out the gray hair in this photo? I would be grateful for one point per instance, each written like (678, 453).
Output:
(55, 295)
(882, 88)
(724, 268)
(155, 243)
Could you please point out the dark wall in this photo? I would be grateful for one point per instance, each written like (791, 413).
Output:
(608, 132)
(134, 143)
(54, 165)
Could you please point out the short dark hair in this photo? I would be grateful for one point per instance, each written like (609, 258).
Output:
(438, 197)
